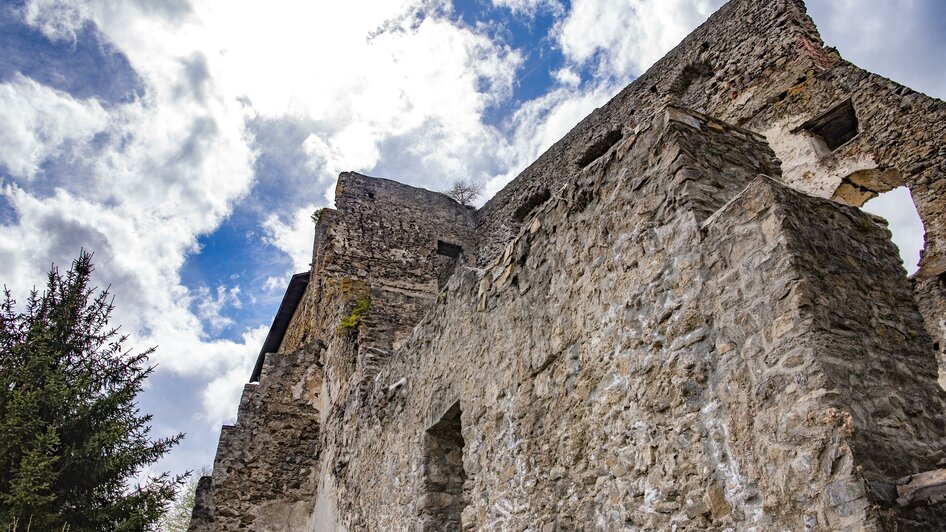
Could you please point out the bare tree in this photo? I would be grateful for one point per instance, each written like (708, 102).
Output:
(464, 191)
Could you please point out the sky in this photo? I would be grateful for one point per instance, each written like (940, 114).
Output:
(186, 143)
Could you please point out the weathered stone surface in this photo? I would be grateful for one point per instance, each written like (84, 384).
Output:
(264, 474)
(666, 322)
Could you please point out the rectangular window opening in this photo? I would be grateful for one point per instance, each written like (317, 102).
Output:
(449, 250)
(835, 128)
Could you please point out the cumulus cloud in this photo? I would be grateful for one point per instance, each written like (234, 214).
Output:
(624, 39)
(144, 179)
(376, 83)
(210, 306)
(59, 20)
(37, 122)
(294, 238)
(221, 395)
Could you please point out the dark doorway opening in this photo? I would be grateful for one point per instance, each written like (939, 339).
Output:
(442, 499)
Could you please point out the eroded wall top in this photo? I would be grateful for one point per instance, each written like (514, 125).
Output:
(839, 131)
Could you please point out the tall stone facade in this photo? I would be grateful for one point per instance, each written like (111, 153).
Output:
(676, 318)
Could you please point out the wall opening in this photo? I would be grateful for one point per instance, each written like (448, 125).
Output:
(835, 128)
(689, 75)
(448, 250)
(904, 223)
(531, 203)
(442, 500)
(448, 257)
(864, 185)
(599, 147)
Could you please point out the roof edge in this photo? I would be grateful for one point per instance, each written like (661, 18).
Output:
(290, 301)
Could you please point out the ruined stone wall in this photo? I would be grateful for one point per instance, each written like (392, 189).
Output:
(638, 331)
(930, 294)
(381, 241)
(639, 361)
(380, 244)
(837, 396)
(264, 473)
(763, 66)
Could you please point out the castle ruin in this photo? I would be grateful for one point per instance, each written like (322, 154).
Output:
(676, 318)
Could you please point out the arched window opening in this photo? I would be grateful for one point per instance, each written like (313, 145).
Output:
(864, 185)
(903, 221)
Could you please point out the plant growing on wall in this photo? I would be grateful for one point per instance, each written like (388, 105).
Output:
(464, 191)
(350, 322)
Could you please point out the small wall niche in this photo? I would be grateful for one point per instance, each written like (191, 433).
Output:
(442, 499)
(530, 204)
(833, 129)
(598, 147)
(448, 250)
(690, 75)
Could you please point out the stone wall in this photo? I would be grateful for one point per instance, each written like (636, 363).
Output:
(667, 321)
(264, 474)
(763, 66)
(387, 244)
(640, 361)
(826, 371)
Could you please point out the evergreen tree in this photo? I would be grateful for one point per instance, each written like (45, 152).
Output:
(71, 436)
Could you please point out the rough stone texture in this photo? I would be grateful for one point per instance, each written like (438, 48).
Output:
(930, 293)
(762, 65)
(668, 321)
(264, 473)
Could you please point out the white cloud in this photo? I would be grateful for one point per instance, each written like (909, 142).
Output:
(625, 38)
(567, 76)
(293, 238)
(36, 122)
(170, 166)
(211, 305)
(222, 393)
(274, 284)
(530, 7)
(59, 20)
(163, 169)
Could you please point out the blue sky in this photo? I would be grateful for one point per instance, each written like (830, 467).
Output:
(187, 142)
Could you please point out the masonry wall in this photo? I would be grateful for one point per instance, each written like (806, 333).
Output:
(379, 245)
(762, 65)
(637, 332)
(642, 362)
(266, 464)
(837, 395)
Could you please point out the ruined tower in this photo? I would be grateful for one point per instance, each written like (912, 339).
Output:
(675, 317)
